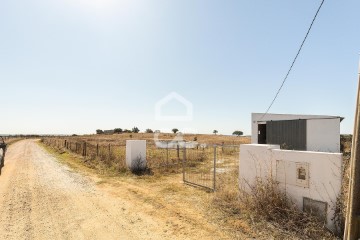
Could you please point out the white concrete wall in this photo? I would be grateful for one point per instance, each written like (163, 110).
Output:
(323, 132)
(324, 173)
(136, 154)
(323, 135)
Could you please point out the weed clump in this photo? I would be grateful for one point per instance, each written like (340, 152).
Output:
(139, 167)
(270, 203)
(268, 210)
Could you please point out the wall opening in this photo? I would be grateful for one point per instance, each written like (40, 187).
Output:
(262, 134)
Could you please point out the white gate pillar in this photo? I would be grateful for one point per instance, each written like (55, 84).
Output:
(136, 155)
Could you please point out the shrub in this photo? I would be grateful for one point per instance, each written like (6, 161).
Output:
(118, 130)
(267, 207)
(270, 203)
(149, 131)
(139, 167)
(135, 130)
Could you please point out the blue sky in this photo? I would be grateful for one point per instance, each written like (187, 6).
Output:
(74, 66)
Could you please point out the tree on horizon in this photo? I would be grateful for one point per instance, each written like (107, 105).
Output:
(238, 133)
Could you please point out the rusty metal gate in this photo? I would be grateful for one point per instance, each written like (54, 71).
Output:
(203, 166)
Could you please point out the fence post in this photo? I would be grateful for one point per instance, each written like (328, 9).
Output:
(97, 150)
(184, 163)
(65, 143)
(167, 154)
(178, 151)
(109, 152)
(84, 150)
(214, 186)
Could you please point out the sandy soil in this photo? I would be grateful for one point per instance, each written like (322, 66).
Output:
(41, 198)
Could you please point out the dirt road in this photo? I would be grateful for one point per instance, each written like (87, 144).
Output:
(40, 198)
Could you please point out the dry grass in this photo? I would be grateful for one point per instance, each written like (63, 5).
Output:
(237, 213)
(10, 141)
(179, 209)
(120, 139)
(266, 211)
(341, 204)
(108, 151)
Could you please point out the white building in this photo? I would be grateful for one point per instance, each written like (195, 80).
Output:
(300, 152)
(297, 132)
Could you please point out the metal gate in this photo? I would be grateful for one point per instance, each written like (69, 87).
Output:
(203, 166)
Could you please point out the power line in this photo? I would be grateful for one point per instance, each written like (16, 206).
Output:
(293, 63)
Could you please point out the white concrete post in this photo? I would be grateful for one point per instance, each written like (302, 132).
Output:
(136, 155)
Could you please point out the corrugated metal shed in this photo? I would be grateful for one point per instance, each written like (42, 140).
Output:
(289, 134)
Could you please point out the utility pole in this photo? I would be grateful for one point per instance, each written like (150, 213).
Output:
(352, 225)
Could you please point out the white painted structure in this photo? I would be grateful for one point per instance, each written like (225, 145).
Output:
(311, 178)
(176, 144)
(322, 133)
(303, 174)
(136, 154)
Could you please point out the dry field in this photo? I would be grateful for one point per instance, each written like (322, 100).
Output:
(107, 152)
(190, 209)
(54, 196)
(120, 139)
(12, 140)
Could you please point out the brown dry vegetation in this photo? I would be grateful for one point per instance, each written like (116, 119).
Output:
(270, 212)
(341, 204)
(264, 214)
(267, 212)
(107, 152)
(120, 139)
(10, 141)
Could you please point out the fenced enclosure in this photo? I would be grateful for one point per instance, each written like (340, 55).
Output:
(109, 155)
(114, 155)
(204, 167)
(158, 158)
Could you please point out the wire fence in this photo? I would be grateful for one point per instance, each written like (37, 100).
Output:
(211, 164)
(111, 155)
(205, 166)
(114, 155)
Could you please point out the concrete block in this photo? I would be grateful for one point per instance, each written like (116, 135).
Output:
(136, 154)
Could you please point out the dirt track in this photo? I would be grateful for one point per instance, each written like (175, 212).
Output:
(41, 198)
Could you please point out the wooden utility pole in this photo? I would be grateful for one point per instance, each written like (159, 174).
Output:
(352, 225)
